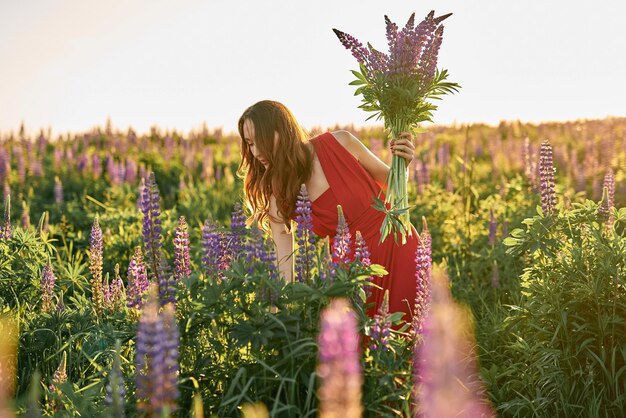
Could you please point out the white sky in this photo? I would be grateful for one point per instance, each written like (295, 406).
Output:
(70, 64)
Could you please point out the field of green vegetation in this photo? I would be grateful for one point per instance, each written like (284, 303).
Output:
(130, 286)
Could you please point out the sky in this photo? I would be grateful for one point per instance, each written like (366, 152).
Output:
(72, 64)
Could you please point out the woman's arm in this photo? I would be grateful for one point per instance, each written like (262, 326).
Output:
(403, 147)
(284, 243)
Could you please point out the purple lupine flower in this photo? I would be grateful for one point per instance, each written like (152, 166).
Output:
(156, 360)
(4, 165)
(447, 381)
(304, 236)
(182, 259)
(150, 206)
(130, 174)
(327, 267)
(106, 292)
(382, 326)
(423, 268)
(96, 166)
(493, 228)
(238, 231)
(546, 172)
(6, 232)
(359, 52)
(60, 375)
(215, 257)
(58, 190)
(362, 254)
(609, 184)
(137, 280)
(115, 391)
(47, 288)
(116, 291)
(25, 216)
(339, 367)
(342, 240)
(95, 266)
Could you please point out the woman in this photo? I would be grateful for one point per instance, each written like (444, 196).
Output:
(336, 168)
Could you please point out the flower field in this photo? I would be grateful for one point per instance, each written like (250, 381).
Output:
(130, 284)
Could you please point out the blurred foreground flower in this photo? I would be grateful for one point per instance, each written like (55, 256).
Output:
(399, 87)
(8, 363)
(339, 365)
(449, 382)
(156, 360)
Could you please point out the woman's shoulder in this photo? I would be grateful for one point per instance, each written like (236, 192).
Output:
(348, 141)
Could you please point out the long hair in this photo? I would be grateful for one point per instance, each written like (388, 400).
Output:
(289, 161)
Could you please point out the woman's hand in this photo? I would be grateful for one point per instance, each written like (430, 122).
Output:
(403, 147)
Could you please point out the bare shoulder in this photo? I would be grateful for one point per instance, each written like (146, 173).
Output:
(349, 141)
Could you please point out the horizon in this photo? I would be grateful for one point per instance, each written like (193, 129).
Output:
(71, 64)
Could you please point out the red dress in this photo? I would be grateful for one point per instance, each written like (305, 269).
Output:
(352, 187)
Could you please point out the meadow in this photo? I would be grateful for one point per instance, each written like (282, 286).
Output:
(131, 286)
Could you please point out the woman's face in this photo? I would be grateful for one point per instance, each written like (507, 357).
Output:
(249, 138)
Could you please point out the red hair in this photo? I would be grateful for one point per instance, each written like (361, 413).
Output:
(289, 161)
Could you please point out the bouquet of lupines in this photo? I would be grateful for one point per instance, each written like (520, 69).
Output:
(399, 87)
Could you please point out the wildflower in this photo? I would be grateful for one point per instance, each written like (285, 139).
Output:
(95, 266)
(362, 254)
(58, 190)
(25, 216)
(342, 240)
(215, 257)
(156, 360)
(150, 206)
(447, 382)
(304, 236)
(339, 367)
(116, 290)
(137, 280)
(608, 199)
(382, 326)
(5, 229)
(423, 267)
(182, 259)
(546, 173)
(60, 375)
(238, 229)
(327, 267)
(47, 288)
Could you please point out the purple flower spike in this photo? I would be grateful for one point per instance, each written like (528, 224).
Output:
(382, 326)
(362, 254)
(116, 291)
(95, 267)
(60, 374)
(137, 280)
(156, 359)
(304, 236)
(423, 268)
(5, 229)
(342, 241)
(153, 240)
(608, 199)
(215, 257)
(58, 191)
(238, 230)
(339, 367)
(115, 391)
(358, 51)
(47, 288)
(447, 361)
(182, 259)
(546, 173)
